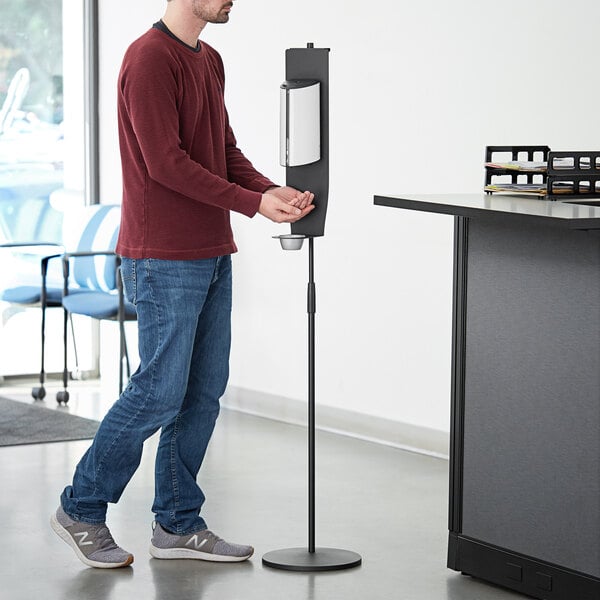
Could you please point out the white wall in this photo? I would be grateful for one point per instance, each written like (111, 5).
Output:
(417, 92)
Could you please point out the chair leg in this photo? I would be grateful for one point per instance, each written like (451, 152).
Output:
(123, 356)
(127, 364)
(39, 393)
(63, 396)
(77, 371)
(121, 373)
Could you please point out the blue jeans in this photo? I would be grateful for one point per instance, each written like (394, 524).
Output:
(184, 322)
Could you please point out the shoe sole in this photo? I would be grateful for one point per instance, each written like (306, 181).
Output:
(66, 537)
(175, 553)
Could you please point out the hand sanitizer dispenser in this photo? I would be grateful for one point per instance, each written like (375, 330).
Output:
(300, 131)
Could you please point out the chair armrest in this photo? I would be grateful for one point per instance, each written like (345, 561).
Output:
(44, 266)
(83, 253)
(68, 255)
(43, 261)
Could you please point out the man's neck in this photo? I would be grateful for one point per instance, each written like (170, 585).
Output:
(185, 26)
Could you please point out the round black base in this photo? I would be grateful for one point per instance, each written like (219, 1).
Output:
(322, 559)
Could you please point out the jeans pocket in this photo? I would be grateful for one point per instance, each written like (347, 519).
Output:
(128, 274)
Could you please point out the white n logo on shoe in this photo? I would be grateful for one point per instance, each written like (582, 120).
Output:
(83, 536)
(194, 541)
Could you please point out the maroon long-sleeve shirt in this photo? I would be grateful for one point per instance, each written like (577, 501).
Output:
(182, 170)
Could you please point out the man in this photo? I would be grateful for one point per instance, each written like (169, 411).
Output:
(182, 175)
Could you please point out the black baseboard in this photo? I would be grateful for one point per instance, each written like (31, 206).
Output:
(520, 573)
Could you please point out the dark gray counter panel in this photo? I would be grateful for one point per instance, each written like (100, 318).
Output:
(524, 501)
(531, 466)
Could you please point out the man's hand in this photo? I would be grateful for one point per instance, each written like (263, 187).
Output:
(292, 196)
(285, 204)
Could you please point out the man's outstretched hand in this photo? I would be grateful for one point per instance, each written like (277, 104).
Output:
(286, 204)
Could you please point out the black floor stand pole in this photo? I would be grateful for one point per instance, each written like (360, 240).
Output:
(311, 310)
(313, 558)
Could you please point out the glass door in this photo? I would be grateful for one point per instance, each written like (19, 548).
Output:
(43, 135)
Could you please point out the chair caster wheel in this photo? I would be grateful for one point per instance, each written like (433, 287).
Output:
(62, 397)
(39, 393)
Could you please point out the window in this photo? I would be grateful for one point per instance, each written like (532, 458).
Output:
(48, 157)
(31, 114)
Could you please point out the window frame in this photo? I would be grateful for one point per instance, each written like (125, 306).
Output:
(91, 102)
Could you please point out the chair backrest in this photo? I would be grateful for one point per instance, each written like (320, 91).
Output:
(93, 228)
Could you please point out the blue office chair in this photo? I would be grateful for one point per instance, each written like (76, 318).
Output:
(36, 230)
(93, 286)
(85, 230)
(39, 296)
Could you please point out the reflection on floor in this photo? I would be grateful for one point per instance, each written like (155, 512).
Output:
(388, 505)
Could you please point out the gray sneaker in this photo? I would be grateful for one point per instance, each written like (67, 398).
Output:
(93, 544)
(202, 545)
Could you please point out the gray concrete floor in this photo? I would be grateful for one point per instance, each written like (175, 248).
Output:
(388, 505)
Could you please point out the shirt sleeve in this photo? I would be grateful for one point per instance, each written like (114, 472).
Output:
(240, 170)
(148, 94)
